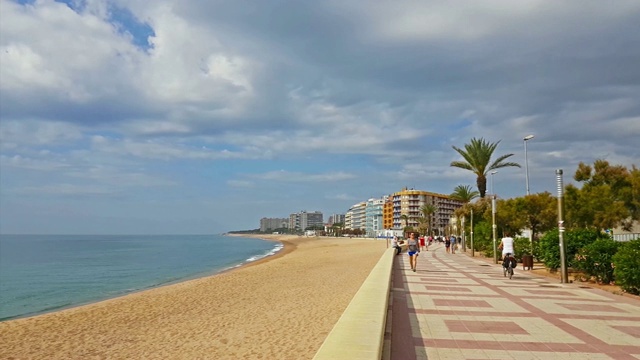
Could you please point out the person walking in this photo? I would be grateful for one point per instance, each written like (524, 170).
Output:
(422, 242)
(453, 244)
(447, 244)
(413, 249)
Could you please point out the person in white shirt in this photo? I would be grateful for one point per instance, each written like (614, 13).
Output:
(506, 244)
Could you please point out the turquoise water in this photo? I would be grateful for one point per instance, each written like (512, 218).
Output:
(41, 273)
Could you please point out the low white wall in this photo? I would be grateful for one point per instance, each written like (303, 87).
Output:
(359, 333)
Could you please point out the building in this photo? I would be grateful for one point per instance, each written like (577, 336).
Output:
(407, 207)
(271, 224)
(335, 219)
(304, 220)
(373, 216)
(355, 218)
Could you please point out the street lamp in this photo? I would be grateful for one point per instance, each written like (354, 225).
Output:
(493, 219)
(492, 173)
(526, 163)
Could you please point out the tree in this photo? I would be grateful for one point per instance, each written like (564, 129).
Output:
(427, 214)
(537, 212)
(477, 159)
(464, 193)
(609, 196)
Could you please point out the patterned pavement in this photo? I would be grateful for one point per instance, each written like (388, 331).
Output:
(457, 307)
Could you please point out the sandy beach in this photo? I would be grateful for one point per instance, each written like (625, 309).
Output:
(279, 308)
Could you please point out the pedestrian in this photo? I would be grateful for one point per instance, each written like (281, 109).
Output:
(413, 249)
(453, 244)
(395, 245)
(447, 244)
(422, 243)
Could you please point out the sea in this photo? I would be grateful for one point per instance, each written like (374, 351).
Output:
(44, 273)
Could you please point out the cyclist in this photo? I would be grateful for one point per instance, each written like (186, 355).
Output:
(506, 244)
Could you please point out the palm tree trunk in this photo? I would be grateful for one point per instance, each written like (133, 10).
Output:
(482, 185)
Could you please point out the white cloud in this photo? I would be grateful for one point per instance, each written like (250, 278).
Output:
(288, 176)
(25, 132)
(347, 91)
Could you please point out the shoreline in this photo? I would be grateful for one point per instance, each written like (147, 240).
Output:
(201, 275)
(250, 311)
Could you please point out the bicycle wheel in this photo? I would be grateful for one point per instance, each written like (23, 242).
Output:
(510, 272)
(504, 271)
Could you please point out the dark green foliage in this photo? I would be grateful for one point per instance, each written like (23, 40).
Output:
(536, 249)
(574, 240)
(549, 251)
(578, 239)
(522, 246)
(627, 266)
(595, 259)
(482, 239)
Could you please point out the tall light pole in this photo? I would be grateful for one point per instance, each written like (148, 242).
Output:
(564, 278)
(472, 248)
(493, 219)
(492, 173)
(526, 163)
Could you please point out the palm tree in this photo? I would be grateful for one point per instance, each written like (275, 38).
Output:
(405, 217)
(427, 212)
(477, 155)
(464, 193)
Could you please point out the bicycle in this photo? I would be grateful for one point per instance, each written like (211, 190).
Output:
(508, 265)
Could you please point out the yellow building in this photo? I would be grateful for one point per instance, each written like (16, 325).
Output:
(404, 209)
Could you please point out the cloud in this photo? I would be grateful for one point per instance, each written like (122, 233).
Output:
(205, 99)
(288, 176)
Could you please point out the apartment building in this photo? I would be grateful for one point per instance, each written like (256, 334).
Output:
(407, 204)
(355, 218)
(303, 220)
(270, 224)
(335, 219)
(373, 216)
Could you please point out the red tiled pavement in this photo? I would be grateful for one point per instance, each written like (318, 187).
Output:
(457, 307)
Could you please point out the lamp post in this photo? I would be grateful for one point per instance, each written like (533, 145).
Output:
(492, 173)
(526, 163)
(563, 247)
(464, 237)
(493, 219)
(472, 248)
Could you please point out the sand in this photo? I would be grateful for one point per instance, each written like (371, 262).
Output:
(279, 308)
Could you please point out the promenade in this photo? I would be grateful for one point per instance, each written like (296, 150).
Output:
(457, 307)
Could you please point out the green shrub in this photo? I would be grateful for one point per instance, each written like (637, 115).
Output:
(549, 251)
(522, 246)
(482, 238)
(627, 266)
(576, 239)
(595, 259)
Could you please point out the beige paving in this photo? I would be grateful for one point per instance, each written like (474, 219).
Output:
(457, 307)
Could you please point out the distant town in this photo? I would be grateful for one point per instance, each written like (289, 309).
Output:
(395, 214)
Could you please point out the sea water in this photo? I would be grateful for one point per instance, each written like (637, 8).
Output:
(42, 273)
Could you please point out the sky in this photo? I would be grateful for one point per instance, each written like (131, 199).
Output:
(199, 117)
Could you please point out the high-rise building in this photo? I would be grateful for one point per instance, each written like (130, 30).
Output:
(335, 219)
(355, 218)
(303, 220)
(270, 224)
(408, 204)
(373, 216)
